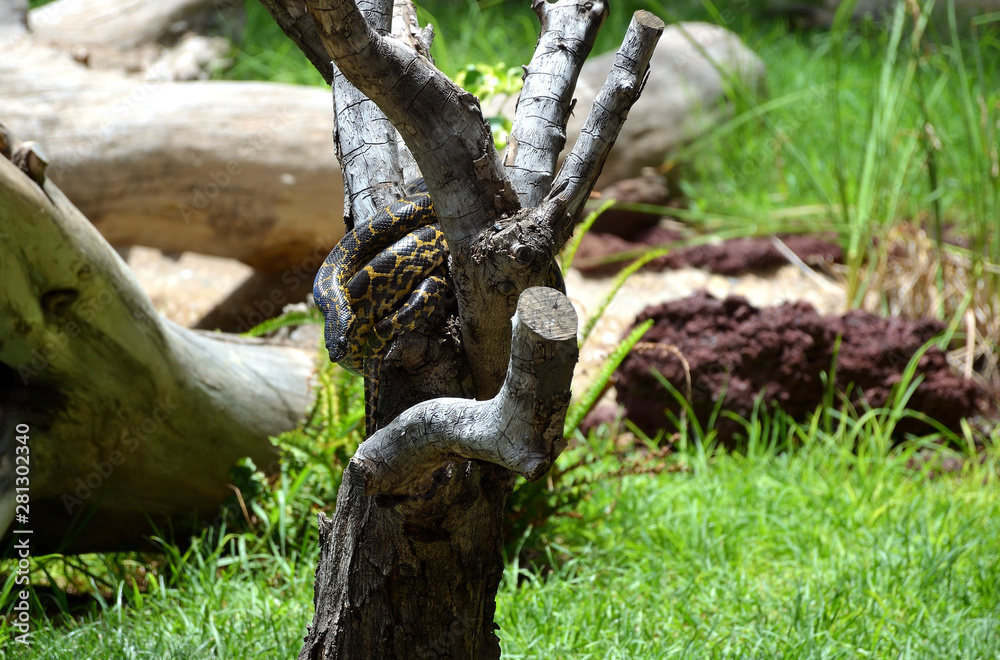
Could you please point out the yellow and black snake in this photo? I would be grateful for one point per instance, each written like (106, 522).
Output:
(383, 278)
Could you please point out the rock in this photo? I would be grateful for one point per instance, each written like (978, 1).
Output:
(195, 57)
(93, 22)
(735, 351)
(683, 98)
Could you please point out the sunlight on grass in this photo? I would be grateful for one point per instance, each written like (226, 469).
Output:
(811, 553)
(821, 539)
(814, 552)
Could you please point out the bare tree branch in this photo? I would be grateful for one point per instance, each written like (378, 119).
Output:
(538, 134)
(452, 144)
(521, 428)
(583, 164)
(367, 142)
(420, 508)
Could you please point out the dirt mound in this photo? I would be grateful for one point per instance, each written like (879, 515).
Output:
(736, 351)
(733, 257)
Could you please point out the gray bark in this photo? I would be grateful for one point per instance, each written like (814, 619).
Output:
(538, 133)
(411, 562)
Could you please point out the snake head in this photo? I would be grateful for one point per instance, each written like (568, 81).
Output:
(336, 339)
(336, 346)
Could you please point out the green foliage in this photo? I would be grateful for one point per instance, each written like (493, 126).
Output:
(487, 81)
(797, 546)
(291, 318)
(261, 51)
(588, 460)
(569, 252)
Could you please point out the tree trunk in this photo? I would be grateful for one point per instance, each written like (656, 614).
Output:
(133, 423)
(411, 562)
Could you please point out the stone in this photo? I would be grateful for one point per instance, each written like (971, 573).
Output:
(684, 97)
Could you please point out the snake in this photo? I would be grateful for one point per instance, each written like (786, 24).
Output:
(382, 279)
(385, 277)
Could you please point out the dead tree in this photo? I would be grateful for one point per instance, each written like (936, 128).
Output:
(411, 562)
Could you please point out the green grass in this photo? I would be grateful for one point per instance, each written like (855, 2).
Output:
(812, 553)
(816, 553)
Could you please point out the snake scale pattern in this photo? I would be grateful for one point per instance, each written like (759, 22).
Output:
(382, 279)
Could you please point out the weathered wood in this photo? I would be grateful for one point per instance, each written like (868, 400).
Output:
(416, 535)
(520, 429)
(538, 133)
(368, 145)
(516, 252)
(233, 169)
(583, 164)
(133, 419)
(292, 17)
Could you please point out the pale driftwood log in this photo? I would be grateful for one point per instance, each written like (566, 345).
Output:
(410, 564)
(240, 170)
(123, 24)
(133, 420)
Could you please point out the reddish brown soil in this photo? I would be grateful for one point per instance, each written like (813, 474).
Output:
(621, 229)
(736, 351)
(733, 257)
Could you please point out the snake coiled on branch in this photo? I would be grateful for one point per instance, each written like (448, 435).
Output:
(382, 279)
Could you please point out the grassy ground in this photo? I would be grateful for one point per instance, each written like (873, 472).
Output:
(814, 553)
(837, 546)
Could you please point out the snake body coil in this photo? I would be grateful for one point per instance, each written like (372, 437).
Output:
(383, 278)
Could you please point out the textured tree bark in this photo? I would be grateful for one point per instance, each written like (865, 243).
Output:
(411, 563)
(133, 420)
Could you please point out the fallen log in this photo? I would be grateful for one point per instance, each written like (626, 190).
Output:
(133, 423)
(232, 169)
